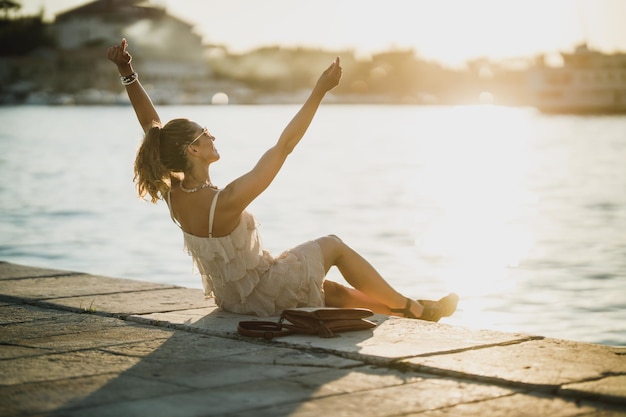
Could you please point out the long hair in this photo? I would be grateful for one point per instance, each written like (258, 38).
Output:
(161, 154)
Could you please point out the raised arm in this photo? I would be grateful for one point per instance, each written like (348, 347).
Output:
(245, 189)
(144, 109)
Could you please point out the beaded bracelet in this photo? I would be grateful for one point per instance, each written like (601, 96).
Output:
(128, 80)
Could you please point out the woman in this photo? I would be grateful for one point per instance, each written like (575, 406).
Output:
(173, 163)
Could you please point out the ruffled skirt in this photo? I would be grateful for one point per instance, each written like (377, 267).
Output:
(293, 279)
(246, 279)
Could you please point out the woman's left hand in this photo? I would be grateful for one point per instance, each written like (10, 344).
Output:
(330, 78)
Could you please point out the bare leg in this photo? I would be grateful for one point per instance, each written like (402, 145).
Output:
(337, 295)
(372, 291)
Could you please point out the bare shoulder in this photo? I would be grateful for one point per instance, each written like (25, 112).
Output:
(227, 213)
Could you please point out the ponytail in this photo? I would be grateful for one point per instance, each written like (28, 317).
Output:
(161, 154)
(150, 175)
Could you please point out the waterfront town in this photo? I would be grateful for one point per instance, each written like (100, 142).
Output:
(63, 62)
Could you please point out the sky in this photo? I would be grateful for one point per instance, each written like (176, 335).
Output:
(448, 31)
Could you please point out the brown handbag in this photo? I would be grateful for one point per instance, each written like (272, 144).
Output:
(324, 322)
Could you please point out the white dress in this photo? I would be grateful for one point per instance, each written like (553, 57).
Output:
(246, 279)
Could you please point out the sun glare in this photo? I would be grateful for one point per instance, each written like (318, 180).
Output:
(453, 32)
(478, 181)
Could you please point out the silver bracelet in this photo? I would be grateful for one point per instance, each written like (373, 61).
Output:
(128, 80)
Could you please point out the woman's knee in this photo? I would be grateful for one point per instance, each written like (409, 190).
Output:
(332, 248)
(330, 243)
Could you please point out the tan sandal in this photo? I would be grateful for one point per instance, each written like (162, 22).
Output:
(447, 305)
(433, 310)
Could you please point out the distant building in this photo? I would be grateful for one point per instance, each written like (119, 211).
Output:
(166, 50)
(588, 82)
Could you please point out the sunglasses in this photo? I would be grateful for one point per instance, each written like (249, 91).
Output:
(204, 131)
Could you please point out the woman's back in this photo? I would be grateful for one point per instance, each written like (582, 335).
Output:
(192, 211)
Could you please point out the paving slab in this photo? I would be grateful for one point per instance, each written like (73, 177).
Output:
(207, 402)
(395, 338)
(182, 346)
(50, 322)
(51, 287)
(18, 313)
(133, 302)
(407, 399)
(91, 339)
(13, 271)
(534, 362)
(62, 366)
(193, 373)
(57, 396)
(61, 331)
(523, 405)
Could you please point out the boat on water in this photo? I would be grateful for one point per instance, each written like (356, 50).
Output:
(587, 82)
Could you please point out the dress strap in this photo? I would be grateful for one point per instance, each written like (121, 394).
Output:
(169, 206)
(212, 212)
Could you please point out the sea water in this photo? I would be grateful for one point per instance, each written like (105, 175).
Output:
(522, 214)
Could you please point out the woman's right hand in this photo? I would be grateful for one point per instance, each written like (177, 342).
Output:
(330, 78)
(120, 57)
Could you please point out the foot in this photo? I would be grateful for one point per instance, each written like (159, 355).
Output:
(446, 305)
(431, 310)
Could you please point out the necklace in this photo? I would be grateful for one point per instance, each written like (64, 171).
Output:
(207, 184)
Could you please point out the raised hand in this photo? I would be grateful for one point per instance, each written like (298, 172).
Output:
(330, 78)
(119, 56)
